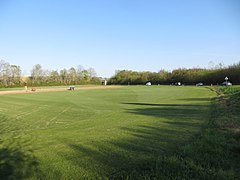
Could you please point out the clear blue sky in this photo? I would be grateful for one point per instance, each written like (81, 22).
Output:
(119, 34)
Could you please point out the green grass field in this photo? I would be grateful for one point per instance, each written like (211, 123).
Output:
(97, 133)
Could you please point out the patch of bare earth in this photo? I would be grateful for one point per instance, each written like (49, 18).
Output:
(38, 90)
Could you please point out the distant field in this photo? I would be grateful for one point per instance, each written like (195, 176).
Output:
(97, 133)
(31, 90)
(42, 87)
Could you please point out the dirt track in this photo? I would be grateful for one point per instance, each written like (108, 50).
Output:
(38, 90)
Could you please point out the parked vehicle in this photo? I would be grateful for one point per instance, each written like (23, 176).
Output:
(199, 84)
(148, 84)
(225, 83)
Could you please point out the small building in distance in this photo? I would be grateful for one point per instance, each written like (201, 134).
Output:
(104, 82)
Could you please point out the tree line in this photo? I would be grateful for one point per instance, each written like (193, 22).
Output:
(185, 76)
(11, 76)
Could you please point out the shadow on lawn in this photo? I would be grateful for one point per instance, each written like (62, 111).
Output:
(117, 159)
(170, 105)
(179, 114)
(196, 99)
(16, 162)
(138, 153)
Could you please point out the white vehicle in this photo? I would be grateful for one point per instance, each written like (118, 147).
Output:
(226, 83)
(148, 84)
(199, 84)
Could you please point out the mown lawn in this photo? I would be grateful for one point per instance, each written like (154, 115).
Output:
(97, 133)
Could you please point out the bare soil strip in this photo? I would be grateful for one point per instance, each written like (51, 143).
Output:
(38, 90)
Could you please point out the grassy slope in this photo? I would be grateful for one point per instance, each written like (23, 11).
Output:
(109, 132)
(214, 154)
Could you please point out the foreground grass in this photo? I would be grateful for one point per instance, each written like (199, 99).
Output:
(115, 133)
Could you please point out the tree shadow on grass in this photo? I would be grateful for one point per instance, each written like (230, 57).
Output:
(137, 152)
(170, 105)
(178, 114)
(16, 161)
(118, 159)
(196, 99)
